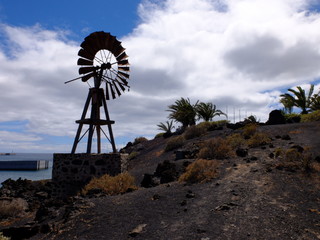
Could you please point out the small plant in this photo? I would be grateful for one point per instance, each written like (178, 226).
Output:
(174, 143)
(139, 140)
(194, 131)
(200, 171)
(278, 152)
(112, 185)
(216, 148)
(235, 140)
(167, 127)
(249, 130)
(12, 208)
(3, 237)
(258, 139)
(311, 117)
(132, 155)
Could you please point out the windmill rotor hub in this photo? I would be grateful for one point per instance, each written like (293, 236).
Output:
(105, 66)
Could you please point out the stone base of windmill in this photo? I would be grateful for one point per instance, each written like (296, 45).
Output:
(73, 171)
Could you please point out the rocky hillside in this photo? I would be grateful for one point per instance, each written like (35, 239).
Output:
(261, 189)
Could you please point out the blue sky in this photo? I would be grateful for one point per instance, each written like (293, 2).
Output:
(78, 17)
(237, 54)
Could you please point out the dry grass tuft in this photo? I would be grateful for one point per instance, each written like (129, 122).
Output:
(174, 143)
(3, 237)
(292, 155)
(195, 131)
(139, 140)
(216, 148)
(12, 207)
(278, 152)
(249, 130)
(205, 125)
(311, 117)
(159, 135)
(258, 139)
(294, 159)
(200, 171)
(236, 140)
(111, 185)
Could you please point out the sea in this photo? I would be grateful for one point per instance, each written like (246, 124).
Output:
(31, 175)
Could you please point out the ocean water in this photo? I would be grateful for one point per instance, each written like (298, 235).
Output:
(31, 175)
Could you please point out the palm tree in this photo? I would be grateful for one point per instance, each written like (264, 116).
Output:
(315, 103)
(183, 111)
(166, 127)
(298, 99)
(287, 103)
(207, 111)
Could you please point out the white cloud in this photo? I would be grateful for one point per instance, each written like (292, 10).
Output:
(235, 53)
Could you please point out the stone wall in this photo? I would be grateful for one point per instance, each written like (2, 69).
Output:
(72, 171)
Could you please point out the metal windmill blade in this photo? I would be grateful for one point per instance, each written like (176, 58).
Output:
(102, 52)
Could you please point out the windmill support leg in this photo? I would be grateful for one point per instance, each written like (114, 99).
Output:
(98, 139)
(89, 144)
(97, 99)
(109, 125)
(95, 116)
(86, 106)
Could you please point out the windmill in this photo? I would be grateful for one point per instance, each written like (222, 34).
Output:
(102, 58)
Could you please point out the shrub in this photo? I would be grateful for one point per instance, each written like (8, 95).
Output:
(292, 117)
(216, 148)
(303, 158)
(220, 123)
(251, 119)
(292, 155)
(194, 131)
(235, 140)
(258, 139)
(200, 171)
(132, 155)
(204, 124)
(139, 140)
(12, 207)
(174, 143)
(159, 135)
(311, 117)
(249, 130)
(3, 237)
(210, 126)
(294, 159)
(111, 185)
